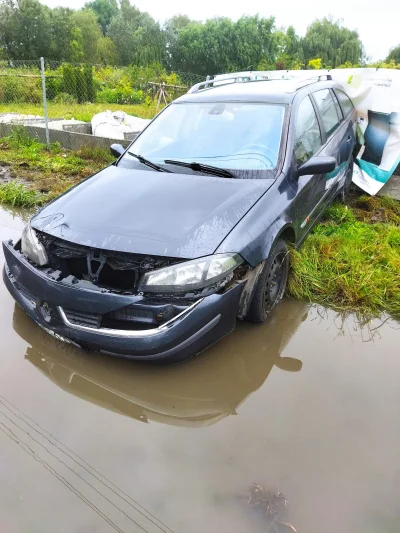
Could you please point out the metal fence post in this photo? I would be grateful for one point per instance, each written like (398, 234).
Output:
(46, 118)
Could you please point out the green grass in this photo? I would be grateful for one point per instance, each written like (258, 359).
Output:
(83, 112)
(351, 262)
(41, 173)
(16, 194)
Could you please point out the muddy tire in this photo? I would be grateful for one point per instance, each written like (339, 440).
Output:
(344, 193)
(271, 284)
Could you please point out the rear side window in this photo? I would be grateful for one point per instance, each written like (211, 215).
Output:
(327, 108)
(307, 132)
(345, 102)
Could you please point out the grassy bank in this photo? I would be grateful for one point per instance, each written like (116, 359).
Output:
(33, 175)
(351, 260)
(83, 112)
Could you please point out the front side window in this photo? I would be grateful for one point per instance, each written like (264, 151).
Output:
(307, 133)
(237, 136)
(345, 102)
(327, 109)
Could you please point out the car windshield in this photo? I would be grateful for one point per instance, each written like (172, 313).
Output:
(235, 136)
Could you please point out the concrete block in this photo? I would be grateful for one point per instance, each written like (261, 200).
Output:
(391, 188)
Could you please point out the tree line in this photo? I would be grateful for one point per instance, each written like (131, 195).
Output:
(114, 32)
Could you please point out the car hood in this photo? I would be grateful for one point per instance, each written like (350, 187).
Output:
(146, 212)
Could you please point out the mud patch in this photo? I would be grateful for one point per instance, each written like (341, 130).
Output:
(7, 175)
(374, 209)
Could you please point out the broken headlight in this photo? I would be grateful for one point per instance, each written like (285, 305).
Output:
(32, 248)
(190, 275)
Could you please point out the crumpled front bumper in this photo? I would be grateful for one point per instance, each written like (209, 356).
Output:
(44, 300)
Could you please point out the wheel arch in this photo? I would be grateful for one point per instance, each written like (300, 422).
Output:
(288, 233)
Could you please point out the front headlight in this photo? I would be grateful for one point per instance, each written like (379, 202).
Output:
(32, 248)
(191, 275)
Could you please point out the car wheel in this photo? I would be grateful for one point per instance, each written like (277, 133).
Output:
(271, 284)
(344, 193)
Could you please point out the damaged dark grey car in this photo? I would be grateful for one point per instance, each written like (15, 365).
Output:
(156, 256)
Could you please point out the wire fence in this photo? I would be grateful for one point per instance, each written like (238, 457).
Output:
(55, 102)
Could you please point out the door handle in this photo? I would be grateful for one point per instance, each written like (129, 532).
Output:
(348, 139)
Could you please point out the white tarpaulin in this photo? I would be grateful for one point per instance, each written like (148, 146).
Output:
(376, 96)
(115, 124)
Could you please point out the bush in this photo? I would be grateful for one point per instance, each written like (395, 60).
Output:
(120, 95)
(80, 94)
(109, 76)
(9, 90)
(53, 87)
(16, 89)
(89, 83)
(65, 98)
(69, 80)
(140, 76)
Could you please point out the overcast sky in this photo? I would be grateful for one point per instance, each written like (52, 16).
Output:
(377, 21)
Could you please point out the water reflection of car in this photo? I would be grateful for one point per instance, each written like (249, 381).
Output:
(156, 256)
(200, 393)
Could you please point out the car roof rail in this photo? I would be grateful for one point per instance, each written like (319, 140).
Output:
(221, 80)
(244, 77)
(313, 79)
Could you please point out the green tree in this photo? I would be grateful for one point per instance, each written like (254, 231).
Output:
(289, 50)
(171, 30)
(25, 29)
(105, 11)
(220, 45)
(89, 34)
(253, 41)
(333, 43)
(106, 52)
(136, 36)
(76, 52)
(61, 34)
(394, 55)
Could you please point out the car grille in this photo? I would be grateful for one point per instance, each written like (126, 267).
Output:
(132, 315)
(90, 320)
(125, 318)
(116, 271)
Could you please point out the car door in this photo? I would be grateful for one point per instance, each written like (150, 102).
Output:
(339, 141)
(310, 189)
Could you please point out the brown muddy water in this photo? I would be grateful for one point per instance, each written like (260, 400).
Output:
(307, 405)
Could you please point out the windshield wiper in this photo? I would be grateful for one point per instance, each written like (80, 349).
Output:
(199, 167)
(148, 163)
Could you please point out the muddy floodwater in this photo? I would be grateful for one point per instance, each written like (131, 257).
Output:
(307, 405)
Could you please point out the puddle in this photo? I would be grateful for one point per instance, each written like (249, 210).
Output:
(307, 404)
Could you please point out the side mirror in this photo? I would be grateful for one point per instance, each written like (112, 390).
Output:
(317, 165)
(117, 150)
